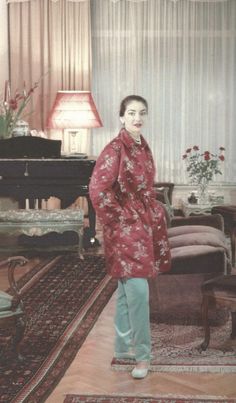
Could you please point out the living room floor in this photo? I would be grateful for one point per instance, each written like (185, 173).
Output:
(91, 373)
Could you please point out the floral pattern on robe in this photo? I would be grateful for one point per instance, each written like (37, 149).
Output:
(134, 225)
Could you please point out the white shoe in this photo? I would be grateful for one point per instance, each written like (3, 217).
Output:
(140, 373)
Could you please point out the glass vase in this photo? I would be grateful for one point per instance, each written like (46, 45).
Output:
(203, 194)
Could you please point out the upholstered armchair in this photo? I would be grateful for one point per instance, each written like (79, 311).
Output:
(199, 251)
(12, 319)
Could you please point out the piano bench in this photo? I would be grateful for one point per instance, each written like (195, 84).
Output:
(41, 231)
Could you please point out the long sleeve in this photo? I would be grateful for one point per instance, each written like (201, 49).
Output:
(101, 188)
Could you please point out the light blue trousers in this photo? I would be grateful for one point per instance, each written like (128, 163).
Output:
(132, 321)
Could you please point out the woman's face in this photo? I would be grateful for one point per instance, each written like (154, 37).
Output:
(134, 117)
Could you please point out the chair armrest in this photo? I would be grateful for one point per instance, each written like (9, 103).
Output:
(17, 260)
(215, 221)
(167, 185)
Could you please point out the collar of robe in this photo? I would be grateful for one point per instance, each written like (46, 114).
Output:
(130, 141)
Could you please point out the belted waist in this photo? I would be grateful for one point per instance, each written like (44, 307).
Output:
(146, 198)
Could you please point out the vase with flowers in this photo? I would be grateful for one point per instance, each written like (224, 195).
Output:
(12, 109)
(201, 168)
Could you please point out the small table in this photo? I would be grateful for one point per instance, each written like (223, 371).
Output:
(222, 291)
(196, 209)
(189, 209)
(38, 223)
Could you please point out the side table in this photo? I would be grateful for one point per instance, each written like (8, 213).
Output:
(196, 209)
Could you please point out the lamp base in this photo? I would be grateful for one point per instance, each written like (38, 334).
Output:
(76, 141)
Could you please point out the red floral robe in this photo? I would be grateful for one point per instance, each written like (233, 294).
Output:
(134, 225)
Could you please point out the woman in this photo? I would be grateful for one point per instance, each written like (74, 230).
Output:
(134, 230)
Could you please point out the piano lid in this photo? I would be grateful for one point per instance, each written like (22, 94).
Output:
(30, 147)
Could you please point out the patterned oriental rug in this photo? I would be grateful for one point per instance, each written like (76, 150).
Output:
(63, 300)
(175, 348)
(141, 399)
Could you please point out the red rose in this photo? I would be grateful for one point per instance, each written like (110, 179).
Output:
(184, 156)
(221, 157)
(206, 153)
(195, 148)
(188, 150)
(207, 156)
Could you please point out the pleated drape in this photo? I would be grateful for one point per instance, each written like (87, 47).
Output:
(50, 41)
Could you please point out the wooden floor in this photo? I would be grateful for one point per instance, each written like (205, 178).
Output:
(91, 373)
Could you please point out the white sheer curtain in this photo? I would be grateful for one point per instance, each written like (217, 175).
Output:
(181, 56)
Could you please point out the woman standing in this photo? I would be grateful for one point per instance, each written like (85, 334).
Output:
(134, 230)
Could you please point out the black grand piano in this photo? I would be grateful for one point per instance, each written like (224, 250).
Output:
(33, 168)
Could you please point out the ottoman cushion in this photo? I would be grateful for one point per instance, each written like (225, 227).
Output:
(197, 249)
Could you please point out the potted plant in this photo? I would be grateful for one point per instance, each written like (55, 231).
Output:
(12, 109)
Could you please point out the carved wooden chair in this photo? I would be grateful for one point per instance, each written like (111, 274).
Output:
(228, 213)
(164, 193)
(218, 291)
(12, 320)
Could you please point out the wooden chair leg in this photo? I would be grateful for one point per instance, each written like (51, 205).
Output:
(233, 316)
(233, 241)
(206, 326)
(18, 336)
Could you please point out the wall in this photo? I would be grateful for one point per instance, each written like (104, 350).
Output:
(3, 46)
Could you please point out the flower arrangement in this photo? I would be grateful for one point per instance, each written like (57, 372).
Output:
(201, 167)
(12, 108)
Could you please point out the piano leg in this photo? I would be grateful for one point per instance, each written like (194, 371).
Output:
(92, 217)
(30, 203)
(89, 238)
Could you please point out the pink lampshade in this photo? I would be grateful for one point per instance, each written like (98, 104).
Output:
(73, 110)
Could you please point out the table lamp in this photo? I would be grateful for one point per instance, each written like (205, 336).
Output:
(74, 112)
